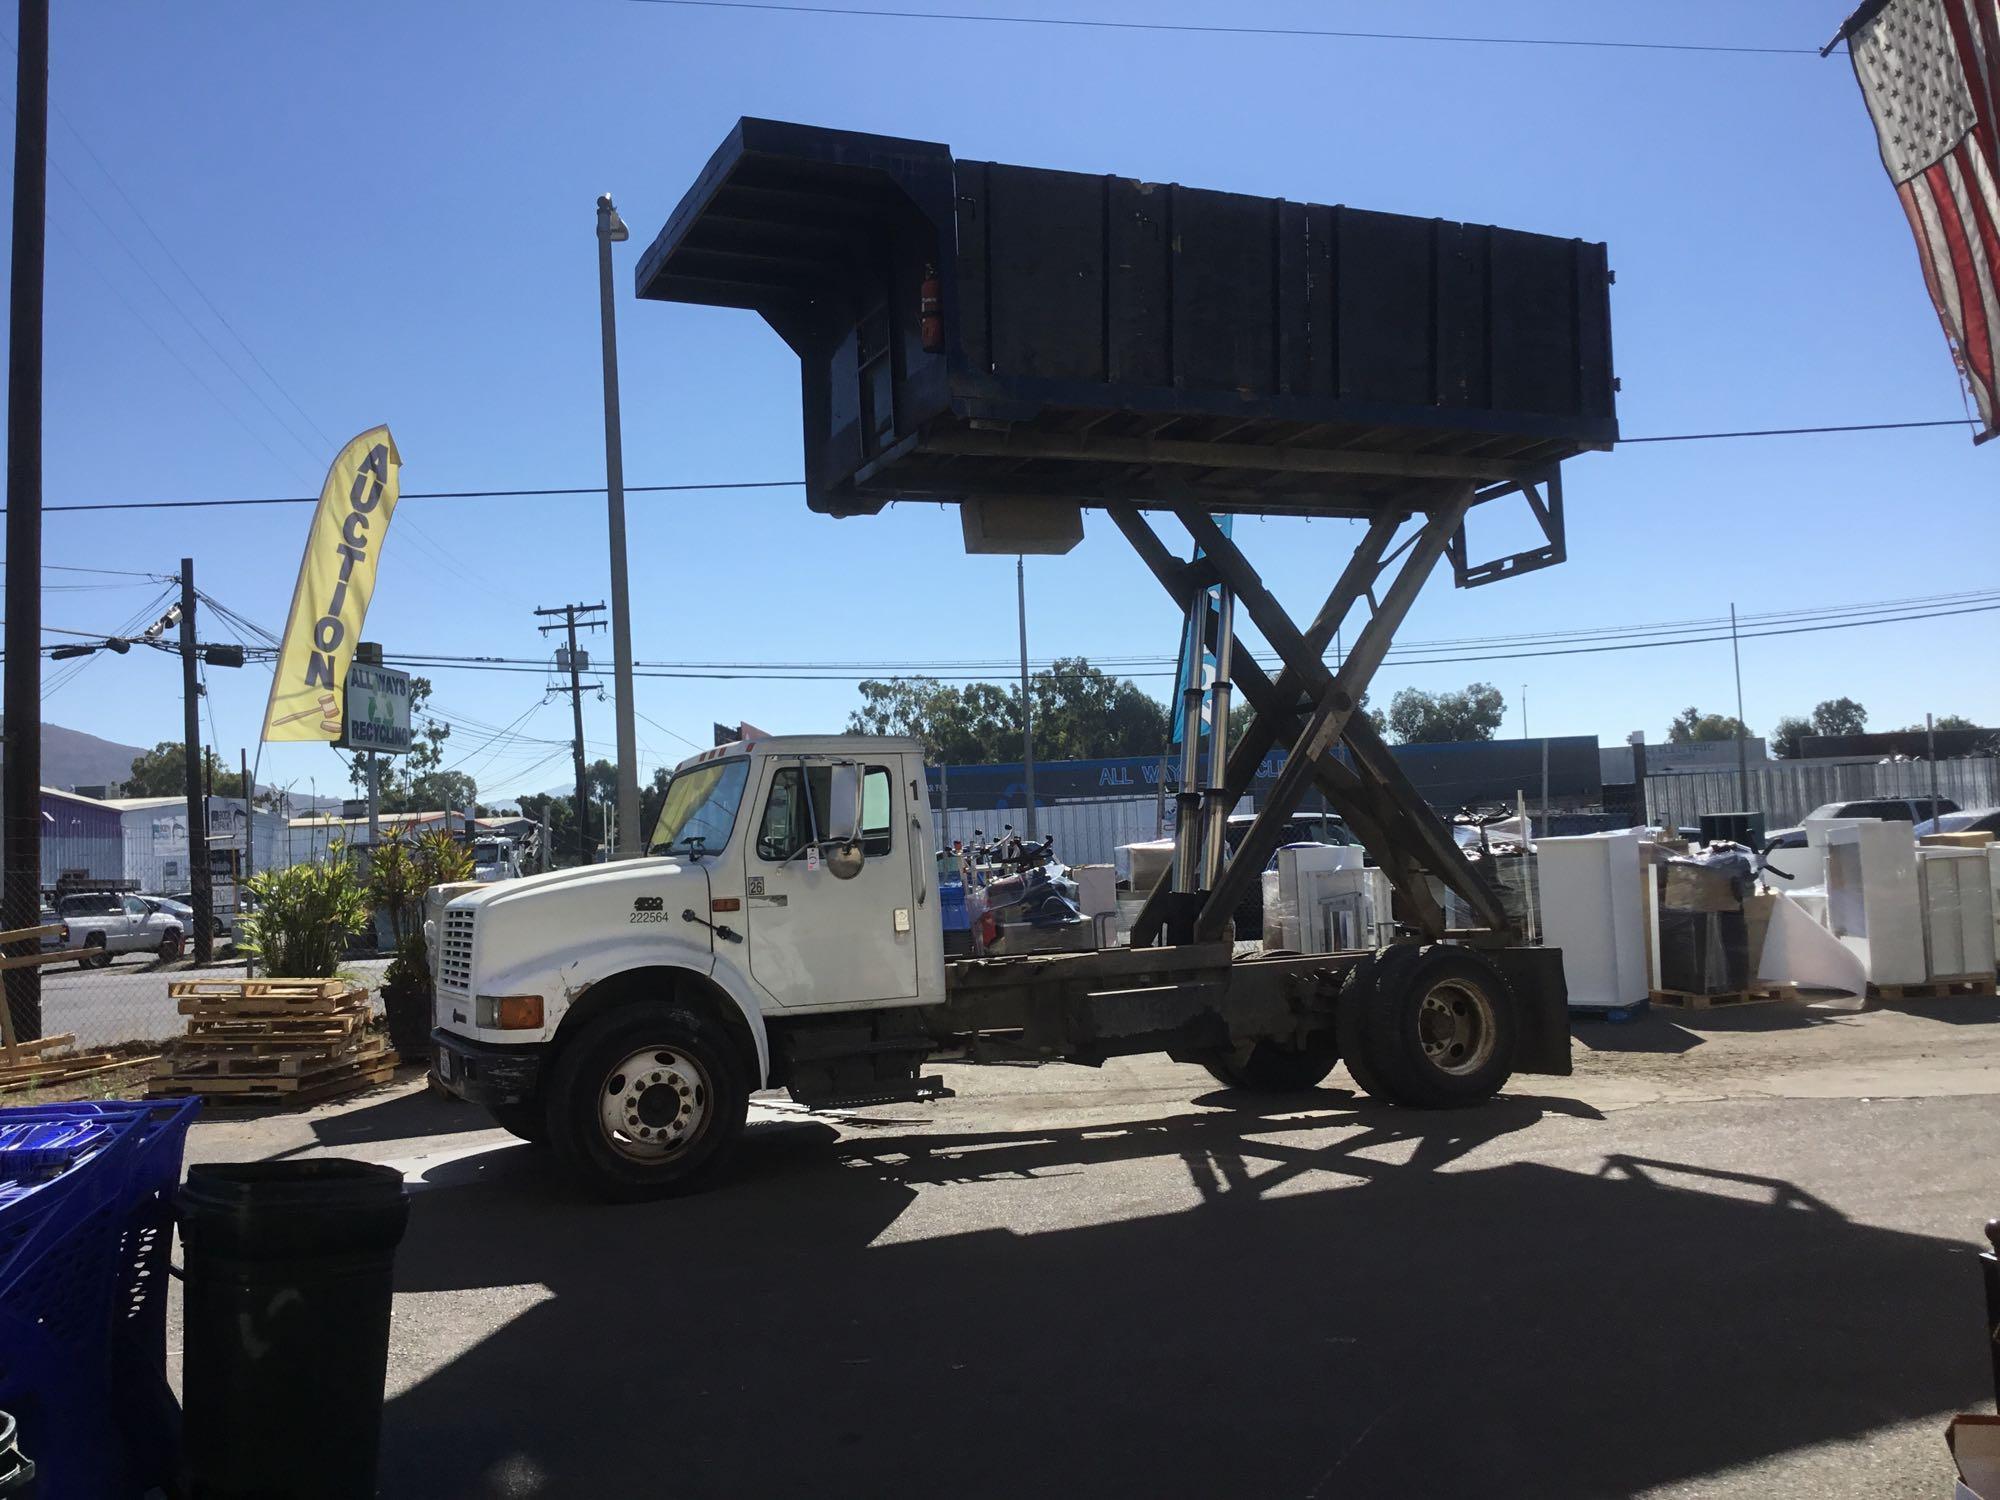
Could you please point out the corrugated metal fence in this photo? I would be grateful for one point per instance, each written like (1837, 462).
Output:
(1086, 832)
(1785, 791)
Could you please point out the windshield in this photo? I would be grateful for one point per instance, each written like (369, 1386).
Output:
(701, 804)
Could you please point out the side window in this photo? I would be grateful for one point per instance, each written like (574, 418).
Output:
(792, 820)
(876, 805)
(134, 907)
(787, 825)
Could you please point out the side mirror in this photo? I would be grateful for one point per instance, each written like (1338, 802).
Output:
(843, 822)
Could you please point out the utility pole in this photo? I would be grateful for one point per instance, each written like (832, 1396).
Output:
(611, 230)
(21, 777)
(1027, 703)
(1742, 729)
(248, 867)
(197, 810)
(576, 661)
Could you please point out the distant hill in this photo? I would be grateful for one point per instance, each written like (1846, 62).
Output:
(72, 758)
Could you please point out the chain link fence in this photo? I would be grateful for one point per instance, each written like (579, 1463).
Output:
(113, 954)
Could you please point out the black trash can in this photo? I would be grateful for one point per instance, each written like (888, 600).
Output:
(286, 1325)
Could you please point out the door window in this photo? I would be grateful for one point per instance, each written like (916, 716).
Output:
(134, 907)
(795, 813)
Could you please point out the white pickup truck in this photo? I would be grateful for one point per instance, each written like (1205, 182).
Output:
(785, 933)
(107, 924)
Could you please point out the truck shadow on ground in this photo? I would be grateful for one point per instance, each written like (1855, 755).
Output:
(1330, 1315)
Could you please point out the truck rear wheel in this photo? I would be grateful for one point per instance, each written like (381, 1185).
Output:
(1438, 1026)
(648, 1102)
(1276, 1068)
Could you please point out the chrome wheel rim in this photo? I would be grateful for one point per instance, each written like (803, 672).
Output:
(1455, 1027)
(654, 1104)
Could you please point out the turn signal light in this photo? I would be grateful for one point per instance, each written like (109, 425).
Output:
(511, 1012)
(725, 903)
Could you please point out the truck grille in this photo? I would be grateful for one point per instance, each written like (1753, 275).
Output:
(455, 951)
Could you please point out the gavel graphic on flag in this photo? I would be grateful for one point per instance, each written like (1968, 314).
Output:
(329, 719)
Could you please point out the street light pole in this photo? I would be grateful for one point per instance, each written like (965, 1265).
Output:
(1027, 703)
(611, 230)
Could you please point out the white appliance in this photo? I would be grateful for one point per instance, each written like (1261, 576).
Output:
(1956, 890)
(1872, 902)
(1592, 909)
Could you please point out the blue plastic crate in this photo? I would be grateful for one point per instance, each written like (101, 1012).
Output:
(85, 1223)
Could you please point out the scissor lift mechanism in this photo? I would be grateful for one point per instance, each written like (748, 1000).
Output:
(1311, 710)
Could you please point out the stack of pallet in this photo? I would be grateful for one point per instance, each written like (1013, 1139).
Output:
(273, 1041)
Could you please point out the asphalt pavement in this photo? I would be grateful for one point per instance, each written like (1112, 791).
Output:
(1734, 1256)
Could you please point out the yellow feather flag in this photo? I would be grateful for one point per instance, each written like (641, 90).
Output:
(336, 579)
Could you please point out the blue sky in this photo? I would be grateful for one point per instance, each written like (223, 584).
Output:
(393, 206)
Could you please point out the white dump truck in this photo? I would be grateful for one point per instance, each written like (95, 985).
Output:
(784, 933)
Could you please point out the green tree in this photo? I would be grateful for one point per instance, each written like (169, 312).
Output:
(1081, 713)
(162, 772)
(1417, 717)
(1693, 727)
(558, 814)
(1839, 716)
(1788, 738)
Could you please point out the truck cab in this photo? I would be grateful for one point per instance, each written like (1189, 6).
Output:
(790, 882)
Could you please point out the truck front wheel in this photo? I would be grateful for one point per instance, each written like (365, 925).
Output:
(648, 1102)
(523, 1120)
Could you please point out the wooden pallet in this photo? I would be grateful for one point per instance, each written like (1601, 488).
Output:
(292, 990)
(297, 1093)
(287, 1041)
(43, 1064)
(193, 1063)
(1763, 994)
(324, 1081)
(1976, 985)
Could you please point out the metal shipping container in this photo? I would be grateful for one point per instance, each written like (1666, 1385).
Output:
(972, 330)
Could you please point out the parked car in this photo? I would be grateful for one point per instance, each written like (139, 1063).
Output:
(1886, 809)
(108, 924)
(1965, 820)
(225, 921)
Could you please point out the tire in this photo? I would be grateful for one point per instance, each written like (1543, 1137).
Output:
(1441, 1028)
(99, 955)
(171, 944)
(524, 1120)
(616, 1071)
(1275, 1068)
(1357, 1045)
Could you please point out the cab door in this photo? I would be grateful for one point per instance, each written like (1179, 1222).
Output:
(815, 939)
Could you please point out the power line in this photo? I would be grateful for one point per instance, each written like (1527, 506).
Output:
(751, 673)
(1702, 437)
(630, 489)
(1214, 29)
(793, 484)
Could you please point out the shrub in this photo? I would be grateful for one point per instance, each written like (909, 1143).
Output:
(407, 998)
(305, 914)
(404, 867)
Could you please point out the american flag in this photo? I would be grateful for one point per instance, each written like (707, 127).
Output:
(1930, 71)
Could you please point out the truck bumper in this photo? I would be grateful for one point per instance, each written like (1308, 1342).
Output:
(483, 1072)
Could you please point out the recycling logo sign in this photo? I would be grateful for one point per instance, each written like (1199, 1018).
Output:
(378, 710)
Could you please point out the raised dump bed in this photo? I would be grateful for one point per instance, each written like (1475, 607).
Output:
(971, 330)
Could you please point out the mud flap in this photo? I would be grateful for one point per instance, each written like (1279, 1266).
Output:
(1541, 1001)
